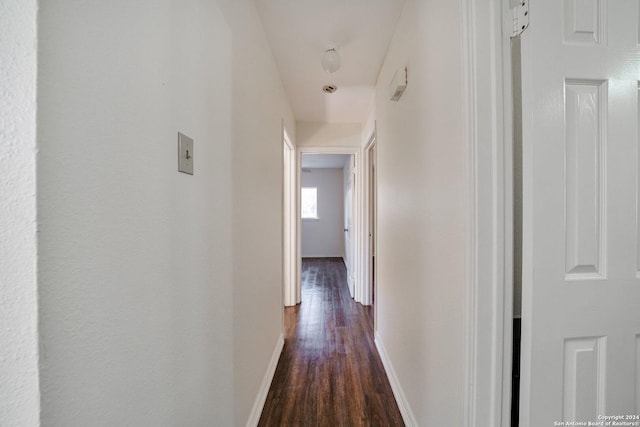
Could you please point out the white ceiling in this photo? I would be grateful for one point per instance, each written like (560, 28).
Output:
(299, 31)
(324, 161)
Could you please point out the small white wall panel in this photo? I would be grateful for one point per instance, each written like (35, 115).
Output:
(584, 21)
(584, 378)
(584, 111)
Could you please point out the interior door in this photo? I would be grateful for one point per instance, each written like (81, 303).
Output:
(581, 265)
(348, 227)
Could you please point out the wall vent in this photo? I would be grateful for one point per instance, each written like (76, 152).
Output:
(329, 88)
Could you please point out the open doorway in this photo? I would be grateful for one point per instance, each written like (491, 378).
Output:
(371, 217)
(327, 185)
(351, 229)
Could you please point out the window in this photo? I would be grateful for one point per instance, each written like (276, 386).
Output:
(309, 202)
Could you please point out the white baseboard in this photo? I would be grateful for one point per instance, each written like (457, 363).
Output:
(258, 405)
(398, 393)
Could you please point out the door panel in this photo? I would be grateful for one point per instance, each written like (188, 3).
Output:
(348, 228)
(584, 378)
(581, 292)
(585, 107)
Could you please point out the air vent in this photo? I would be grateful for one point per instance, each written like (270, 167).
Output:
(329, 88)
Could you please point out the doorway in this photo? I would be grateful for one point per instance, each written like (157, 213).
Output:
(370, 155)
(353, 223)
(327, 194)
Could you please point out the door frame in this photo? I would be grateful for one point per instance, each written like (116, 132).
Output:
(488, 298)
(291, 292)
(366, 217)
(357, 216)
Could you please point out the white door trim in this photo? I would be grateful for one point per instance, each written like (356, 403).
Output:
(357, 214)
(366, 243)
(488, 297)
(291, 292)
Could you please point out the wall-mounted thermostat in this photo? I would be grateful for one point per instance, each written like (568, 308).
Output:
(185, 154)
(398, 84)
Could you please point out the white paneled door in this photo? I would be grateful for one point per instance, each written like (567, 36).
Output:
(581, 258)
(348, 228)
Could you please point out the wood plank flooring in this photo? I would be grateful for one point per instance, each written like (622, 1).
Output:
(329, 373)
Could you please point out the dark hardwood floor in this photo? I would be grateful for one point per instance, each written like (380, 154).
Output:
(329, 373)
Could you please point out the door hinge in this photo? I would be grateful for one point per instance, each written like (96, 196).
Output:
(518, 19)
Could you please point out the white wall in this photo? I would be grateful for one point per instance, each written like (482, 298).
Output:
(324, 237)
(310, 134)
(259, 106)
(423, 212)
(158, 304)
(19, 389)
(135, 267)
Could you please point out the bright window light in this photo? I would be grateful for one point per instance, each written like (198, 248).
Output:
(310, 202)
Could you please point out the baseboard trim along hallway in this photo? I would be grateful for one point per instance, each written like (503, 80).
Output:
(261, 398)
(398, 393)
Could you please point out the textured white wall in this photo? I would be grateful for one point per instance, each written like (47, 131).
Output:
(19, 398)
(423, 211)
(325, 237)
(309, 134)
(259, 107)
(134, 269)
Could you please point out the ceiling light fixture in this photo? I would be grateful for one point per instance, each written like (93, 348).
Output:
(331, 60)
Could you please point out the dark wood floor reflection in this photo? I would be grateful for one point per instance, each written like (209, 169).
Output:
(329, 373)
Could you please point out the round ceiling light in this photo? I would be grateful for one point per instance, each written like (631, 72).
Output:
(331, 60)
(329, 88)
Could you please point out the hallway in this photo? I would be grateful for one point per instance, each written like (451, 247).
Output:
(135, 291)
(329, 372)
